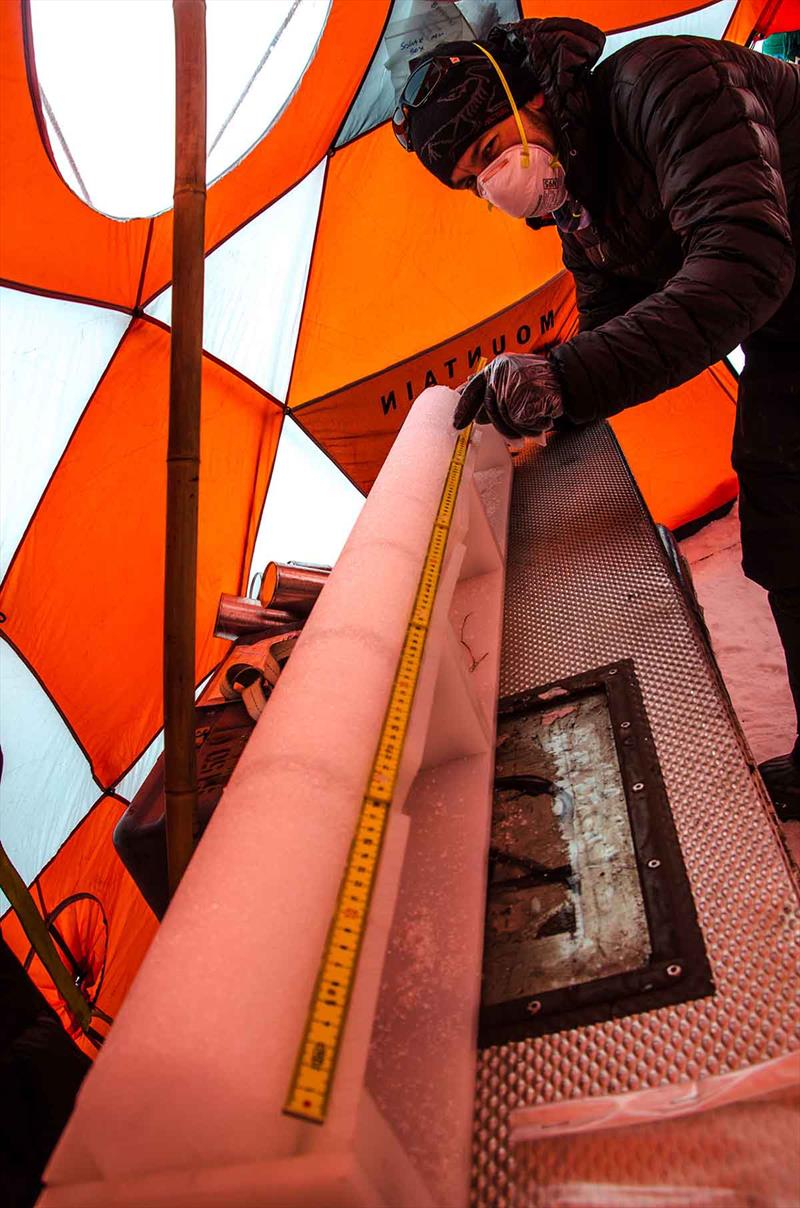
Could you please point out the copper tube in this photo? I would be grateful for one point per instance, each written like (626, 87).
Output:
(183, 452)
(293, 588)
(237, 616)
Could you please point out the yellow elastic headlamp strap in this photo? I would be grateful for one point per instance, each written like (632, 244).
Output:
(523, 138)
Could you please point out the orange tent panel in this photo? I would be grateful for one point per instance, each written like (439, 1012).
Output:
(679, 447)
(358, 425)
(426, 265)
(83, 596)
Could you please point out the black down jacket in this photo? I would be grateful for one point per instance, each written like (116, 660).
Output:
(686, 153)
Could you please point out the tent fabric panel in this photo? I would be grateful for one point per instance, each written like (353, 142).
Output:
(401, 263)
(255, 285)
(97, 543)
(49, 239)
(52, 355)
(759, 18)
(47, 785)
(783, 17)
(88, 864)
(376, 97)
(300, 138)
(679, 447)
(357, 425)
(708, 22)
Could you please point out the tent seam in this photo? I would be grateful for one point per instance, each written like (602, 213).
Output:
(314, 248)
(357, 93)
(58, 295)
(328, 454)
(34, 88)
(235, 231)
(145, 262)
(244, 586)
(217, 361)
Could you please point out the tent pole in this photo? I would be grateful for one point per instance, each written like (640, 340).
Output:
(35, 928)
(183, 454)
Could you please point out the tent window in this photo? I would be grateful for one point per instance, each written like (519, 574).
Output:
(107, 77)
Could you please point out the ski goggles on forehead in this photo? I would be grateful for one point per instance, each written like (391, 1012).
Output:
(425, 79)
(419, 88)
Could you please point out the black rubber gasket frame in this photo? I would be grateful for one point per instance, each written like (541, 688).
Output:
(678, 970)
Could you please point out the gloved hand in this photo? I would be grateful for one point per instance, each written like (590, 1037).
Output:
(519, 394)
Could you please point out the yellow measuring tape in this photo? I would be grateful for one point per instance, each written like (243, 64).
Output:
(310, 1088)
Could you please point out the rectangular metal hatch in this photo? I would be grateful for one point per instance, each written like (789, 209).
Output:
(589, 911)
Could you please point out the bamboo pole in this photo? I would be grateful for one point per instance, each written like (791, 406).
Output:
(183, 454)
(35, 928)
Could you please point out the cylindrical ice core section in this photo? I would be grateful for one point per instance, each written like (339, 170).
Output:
(196, 1069)
(293, 588)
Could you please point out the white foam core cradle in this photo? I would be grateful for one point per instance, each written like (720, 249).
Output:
(183, 1108)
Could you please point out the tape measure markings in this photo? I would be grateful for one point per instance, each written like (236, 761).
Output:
(312, 1079)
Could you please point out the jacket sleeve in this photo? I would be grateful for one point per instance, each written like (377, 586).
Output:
(712, 147)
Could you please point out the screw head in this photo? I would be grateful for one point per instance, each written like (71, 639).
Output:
(653, 863)
(674, 970)
(533, 1007)
(637, 788)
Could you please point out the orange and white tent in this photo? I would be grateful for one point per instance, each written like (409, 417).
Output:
(340, 280)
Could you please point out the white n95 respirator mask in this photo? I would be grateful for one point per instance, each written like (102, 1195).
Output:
(525, 182)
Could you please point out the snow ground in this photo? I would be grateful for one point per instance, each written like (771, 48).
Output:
(745, 642)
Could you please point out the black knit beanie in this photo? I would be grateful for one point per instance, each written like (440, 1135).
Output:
(467, 102)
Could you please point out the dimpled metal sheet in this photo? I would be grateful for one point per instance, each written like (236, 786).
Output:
(587, 584)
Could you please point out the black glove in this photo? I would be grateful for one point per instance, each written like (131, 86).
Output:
(520, 395)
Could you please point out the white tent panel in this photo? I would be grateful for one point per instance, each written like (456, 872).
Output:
(255, 285)
(52, 355)
(311, 506)
(47, 785)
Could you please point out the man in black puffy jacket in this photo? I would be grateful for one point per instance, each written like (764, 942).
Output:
(672, 171)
